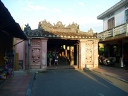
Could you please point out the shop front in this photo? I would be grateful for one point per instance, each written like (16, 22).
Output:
(116, 52)
(8, 30)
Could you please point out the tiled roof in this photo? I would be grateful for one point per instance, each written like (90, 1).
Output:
(40, 33)
(58, 30)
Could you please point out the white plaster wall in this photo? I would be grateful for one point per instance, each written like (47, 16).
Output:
(105, 24)
(119, 18)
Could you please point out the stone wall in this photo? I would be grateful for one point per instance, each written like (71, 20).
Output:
(44, 54)
(38, 54)
(35, 56)
(88, 54)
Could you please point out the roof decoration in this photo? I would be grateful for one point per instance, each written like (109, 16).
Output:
(58, 27)
(58, 30)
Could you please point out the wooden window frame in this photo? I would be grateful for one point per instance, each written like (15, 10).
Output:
(111, 23)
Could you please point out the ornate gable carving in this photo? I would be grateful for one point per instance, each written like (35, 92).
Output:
(58, 27)
(44, 24)
(46, 29)
(90, 32)
(27, 28)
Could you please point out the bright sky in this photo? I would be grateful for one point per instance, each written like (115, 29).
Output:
(82, 12)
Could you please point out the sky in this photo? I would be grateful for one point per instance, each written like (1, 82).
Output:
(82, 12)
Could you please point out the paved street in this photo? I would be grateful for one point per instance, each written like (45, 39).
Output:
(17, 85)
(68, 82)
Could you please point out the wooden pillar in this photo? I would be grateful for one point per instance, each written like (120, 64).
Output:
(71, 55)
(16, 67)
(66, 53)
(63, 54)
(79, 55)
(122, 55)
(126, 29)
(77, 47)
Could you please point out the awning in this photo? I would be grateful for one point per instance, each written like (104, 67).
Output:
(8, 24)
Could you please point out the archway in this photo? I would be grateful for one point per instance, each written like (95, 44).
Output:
(66, 49)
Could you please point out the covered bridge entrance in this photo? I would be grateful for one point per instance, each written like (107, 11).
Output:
(67, 51)
(74, 47)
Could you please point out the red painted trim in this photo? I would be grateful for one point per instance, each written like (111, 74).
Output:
(114, 39)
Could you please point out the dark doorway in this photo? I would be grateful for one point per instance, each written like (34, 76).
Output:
(66, 50)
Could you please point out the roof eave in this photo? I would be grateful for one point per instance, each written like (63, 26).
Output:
(112, 9)
(8, 24)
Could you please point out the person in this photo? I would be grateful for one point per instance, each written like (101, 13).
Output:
(56, 60)
(50, 59)
(48, 55)
(53, 56)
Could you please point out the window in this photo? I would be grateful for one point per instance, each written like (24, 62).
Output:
(126, 16)
(111, 23)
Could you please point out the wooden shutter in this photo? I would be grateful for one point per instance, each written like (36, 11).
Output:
(111, 23)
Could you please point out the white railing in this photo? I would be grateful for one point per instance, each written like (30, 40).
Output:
(118, 30)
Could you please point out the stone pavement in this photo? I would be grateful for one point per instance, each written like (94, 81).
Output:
(70, 82)
(115, 72)
(17, 85)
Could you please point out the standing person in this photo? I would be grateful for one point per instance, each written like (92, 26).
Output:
(50, 58)
(56, 60)
(53, 54)
(48, 55)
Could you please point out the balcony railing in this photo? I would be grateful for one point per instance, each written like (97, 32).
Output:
(118, 30)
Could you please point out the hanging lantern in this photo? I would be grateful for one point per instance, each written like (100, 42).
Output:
(64, 46)
(67, 47)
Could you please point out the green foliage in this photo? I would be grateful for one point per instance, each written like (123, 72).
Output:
(101, 51)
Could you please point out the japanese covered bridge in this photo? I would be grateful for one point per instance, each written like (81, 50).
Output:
(79, 48)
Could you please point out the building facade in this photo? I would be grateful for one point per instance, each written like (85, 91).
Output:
(79, 49)
(115, 32)
(8, 30)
